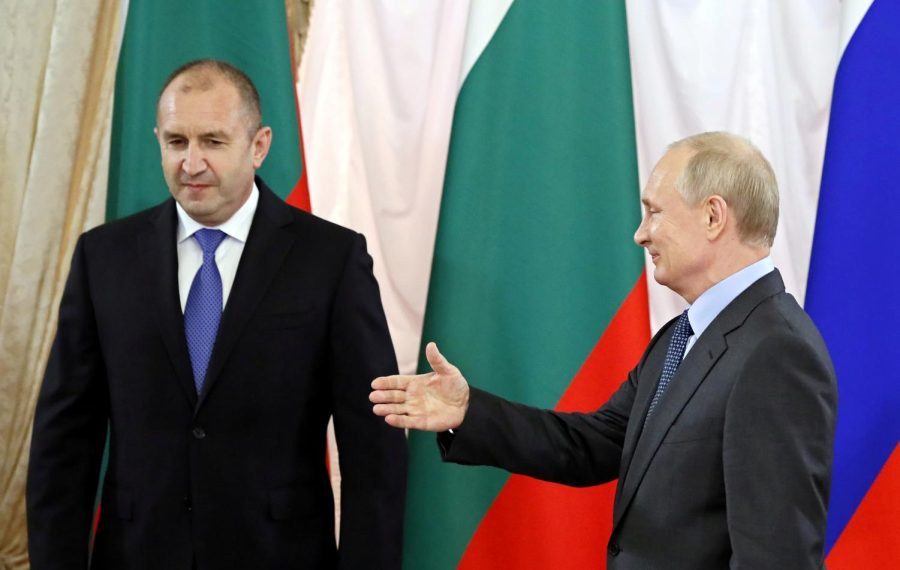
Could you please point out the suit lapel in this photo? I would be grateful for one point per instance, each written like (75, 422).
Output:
(652, 369)
(641, 444)
(691, 373)
(267, 245)
(160, 263)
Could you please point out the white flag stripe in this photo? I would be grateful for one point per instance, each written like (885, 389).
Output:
(377, 87)
(852, 13)
(484, 19)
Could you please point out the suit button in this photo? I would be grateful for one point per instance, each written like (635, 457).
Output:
(614, 549)
(187, 504)
(198, 432)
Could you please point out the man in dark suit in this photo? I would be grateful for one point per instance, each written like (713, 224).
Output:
(721, 436)
(216, 418)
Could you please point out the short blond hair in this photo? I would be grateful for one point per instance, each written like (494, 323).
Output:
(732, 167)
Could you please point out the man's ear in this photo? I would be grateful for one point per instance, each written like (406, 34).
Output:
(715, 211)
(262, 142)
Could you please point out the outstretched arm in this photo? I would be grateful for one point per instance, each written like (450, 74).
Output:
(435, 401)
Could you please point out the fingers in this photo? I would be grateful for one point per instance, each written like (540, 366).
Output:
(387, 396)
(404, 422)
(396, 382)
(389, 409)
(437, 361)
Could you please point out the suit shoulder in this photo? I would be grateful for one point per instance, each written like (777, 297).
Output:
(320, 227)
(126, 226)
(783, 325)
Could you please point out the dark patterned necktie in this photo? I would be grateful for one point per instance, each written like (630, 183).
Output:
(674, 354)
(203, 309)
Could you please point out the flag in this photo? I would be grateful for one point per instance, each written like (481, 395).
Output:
(853, 291)
(160, 35)
(537, 290)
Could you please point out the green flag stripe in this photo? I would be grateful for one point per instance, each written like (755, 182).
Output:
(534, 250)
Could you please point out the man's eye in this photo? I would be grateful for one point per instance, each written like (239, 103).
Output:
(176, 143)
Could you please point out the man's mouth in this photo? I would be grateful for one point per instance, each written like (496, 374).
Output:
(196, 186)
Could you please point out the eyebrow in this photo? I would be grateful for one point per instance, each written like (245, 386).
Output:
(206, 135)
(214, 135)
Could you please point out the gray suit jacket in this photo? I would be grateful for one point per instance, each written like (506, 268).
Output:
(733, 468)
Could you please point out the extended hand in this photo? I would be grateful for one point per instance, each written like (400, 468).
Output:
(436, 401)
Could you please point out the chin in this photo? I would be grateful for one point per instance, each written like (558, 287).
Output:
(660, 277)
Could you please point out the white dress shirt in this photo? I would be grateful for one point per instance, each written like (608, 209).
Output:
(228, 255)
(714, 300)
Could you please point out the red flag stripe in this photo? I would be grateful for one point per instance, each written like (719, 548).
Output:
(299, 196)
(534, 524)
(872, 537)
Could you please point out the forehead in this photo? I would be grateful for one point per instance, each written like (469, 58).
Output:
(661, 184)
(189, 103)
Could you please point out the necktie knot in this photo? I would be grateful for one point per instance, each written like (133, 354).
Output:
(209, 240)
(683, 326)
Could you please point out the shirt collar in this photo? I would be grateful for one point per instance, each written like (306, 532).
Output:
(237, 226)
(708, 306)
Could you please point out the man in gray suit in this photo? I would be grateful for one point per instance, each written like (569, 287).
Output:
(721, 436)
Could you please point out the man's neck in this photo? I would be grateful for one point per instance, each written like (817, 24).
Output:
(726, 264)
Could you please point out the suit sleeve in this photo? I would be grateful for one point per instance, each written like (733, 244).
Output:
(372, 454)
(777, 451)
(69, 432)
(574, 449)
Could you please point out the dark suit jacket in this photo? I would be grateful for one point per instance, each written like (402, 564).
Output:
(733, 468)
(234, 478)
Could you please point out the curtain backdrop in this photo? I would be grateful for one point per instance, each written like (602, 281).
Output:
(57, 81)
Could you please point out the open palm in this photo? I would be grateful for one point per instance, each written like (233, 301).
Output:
(435, 401)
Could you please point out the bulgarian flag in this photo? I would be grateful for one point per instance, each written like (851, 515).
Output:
(523, 181)
(537, 290)
(159, 36)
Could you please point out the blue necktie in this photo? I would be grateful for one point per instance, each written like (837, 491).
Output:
(203, 309)
(674, 354)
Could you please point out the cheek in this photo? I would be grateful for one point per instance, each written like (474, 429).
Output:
(171, 162)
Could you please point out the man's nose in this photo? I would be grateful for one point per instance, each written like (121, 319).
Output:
(194, 161)
(640, 234)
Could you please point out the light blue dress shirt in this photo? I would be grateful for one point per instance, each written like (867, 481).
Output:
(708, 305)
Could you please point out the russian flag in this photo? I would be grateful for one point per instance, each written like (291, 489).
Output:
(854, 291)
